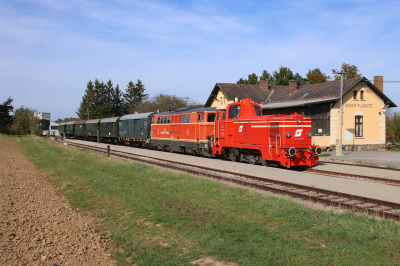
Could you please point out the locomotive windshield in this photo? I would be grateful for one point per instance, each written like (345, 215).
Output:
(257, 109)
(234, 111)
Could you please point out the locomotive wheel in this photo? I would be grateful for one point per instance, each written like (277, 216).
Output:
(252, 159)
(234, 155)
(234, 158)
(264, 162)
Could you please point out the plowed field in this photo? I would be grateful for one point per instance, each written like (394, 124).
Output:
(36, 226)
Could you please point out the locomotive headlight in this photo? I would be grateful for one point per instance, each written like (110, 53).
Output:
(309, 134)
(287, 134)
(298, 121)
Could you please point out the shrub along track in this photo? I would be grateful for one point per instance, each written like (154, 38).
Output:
(36, 226)
(375, 207)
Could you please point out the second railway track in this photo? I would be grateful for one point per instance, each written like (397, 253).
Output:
(375, 207)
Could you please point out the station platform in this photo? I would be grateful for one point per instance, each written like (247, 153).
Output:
(373, 158)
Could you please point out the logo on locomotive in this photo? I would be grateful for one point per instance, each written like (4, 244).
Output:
(298, 132)
(240, 128)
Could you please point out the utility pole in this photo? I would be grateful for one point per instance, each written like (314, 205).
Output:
(341, 110)
(187, 101)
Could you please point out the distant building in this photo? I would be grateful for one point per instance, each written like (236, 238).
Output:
(44, 121)
(364, 108)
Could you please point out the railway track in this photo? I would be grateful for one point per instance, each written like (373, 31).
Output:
(362, 165)
(375, 207)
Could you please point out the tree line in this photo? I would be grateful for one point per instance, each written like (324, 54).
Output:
(104, 100)
(22, 122)
(283, 75)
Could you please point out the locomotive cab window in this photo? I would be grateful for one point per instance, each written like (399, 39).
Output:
(158, 120)
(210, 117)
(202, 118)
(169, 120)
(183, 119)
(222, 114)
(188, 118)
(234, 111)
(257, 109)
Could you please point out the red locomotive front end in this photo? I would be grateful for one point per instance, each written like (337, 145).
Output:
(242, 133)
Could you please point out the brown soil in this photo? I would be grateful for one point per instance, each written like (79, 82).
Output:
(36, 226)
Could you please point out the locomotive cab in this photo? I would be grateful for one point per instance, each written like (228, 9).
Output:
(242, 133)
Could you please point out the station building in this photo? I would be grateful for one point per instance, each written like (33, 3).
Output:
(364, 108)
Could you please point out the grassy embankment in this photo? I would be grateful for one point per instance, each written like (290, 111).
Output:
(159, 217)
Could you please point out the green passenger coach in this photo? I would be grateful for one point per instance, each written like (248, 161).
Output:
(135, 128)
(91, 128)
(109, 130)
(70, 129)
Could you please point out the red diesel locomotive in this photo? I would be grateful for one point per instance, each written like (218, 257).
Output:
(237, 131)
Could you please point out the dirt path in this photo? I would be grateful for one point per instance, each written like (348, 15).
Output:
(36, 227)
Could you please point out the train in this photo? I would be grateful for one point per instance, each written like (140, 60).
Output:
(235, 131)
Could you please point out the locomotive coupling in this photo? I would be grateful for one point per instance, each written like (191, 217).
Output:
(291, 151)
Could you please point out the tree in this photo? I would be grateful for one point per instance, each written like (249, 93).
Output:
(25, 122)
(351, 71)
(163, 103)
(5, 117)
(134, 95)
(393, 127)
(267, 76)
(85, 110)
(117, 102)
(281, 76)
(67, 119)
(316, 76)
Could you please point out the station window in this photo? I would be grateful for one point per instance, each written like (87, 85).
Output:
(355, 95)
(361, 95)
(359, 126)
(234, 111)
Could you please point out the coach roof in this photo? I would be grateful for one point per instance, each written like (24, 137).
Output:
(109, 120)
(92, 121)
(135, 116)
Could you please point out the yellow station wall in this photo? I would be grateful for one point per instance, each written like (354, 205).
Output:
(373, 113)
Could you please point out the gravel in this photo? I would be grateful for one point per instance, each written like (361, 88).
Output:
(36, 226)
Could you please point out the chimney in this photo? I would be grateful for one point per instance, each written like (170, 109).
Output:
(292, 86)
(264, 85)
(378, 82)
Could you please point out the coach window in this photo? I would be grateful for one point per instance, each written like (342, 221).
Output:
(234, 111)
(210, 117)
(187, 118)
(359, 126)
(183, 119)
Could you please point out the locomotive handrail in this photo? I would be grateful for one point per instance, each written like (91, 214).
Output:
(280, 142)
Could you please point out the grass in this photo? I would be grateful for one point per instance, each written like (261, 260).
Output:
(324, 155)
(157, 217)
(394, 148)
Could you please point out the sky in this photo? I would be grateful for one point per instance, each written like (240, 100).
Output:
(50, 49)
